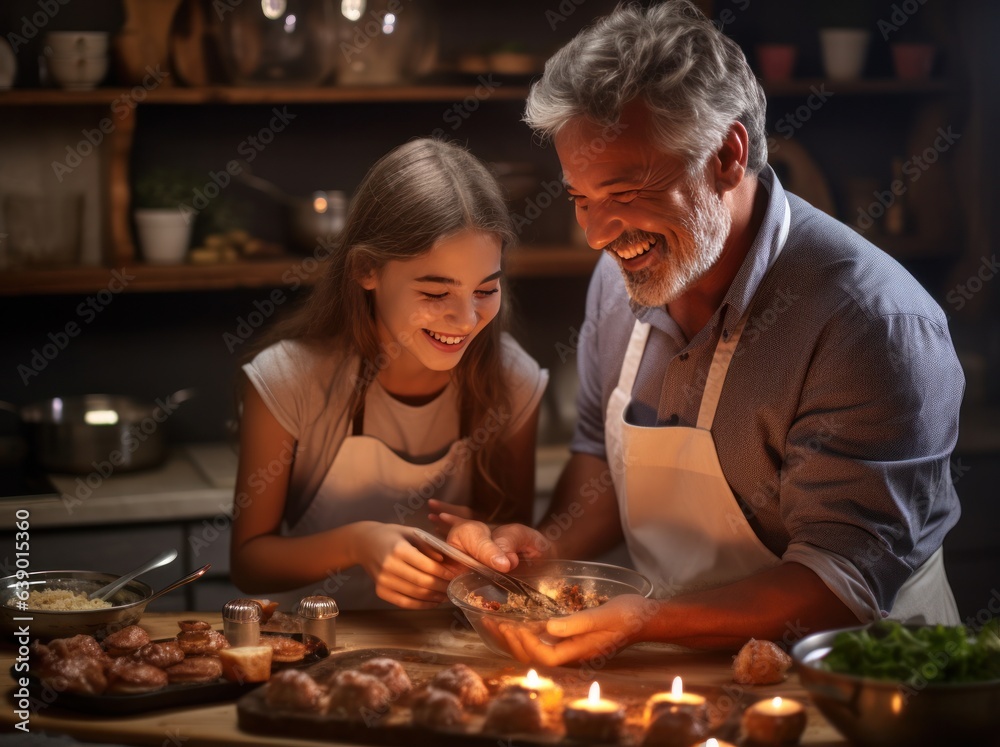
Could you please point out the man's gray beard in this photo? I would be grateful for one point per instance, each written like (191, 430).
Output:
(685, 263)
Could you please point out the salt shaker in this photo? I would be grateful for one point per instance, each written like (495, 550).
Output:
(319, 618)
(241, 622)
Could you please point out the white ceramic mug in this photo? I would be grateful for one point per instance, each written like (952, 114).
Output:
(79, 73)
(77, 43)
(844, 52)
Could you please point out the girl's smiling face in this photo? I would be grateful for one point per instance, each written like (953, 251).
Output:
(431, 307)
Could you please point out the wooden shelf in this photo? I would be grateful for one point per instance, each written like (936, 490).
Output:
(860, 87)
(373, 94)
(257, 95)
(534, 261)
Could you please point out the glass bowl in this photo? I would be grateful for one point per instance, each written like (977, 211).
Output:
(887, 713)
(128, 604)
(547, 576)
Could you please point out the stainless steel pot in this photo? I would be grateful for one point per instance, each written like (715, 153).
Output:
(103, 433)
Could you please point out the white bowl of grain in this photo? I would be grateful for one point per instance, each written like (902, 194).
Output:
(56, 602)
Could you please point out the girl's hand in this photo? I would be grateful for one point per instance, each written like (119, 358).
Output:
(403, 575)
(436, 508)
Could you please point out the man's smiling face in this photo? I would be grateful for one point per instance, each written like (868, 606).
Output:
(664, 227)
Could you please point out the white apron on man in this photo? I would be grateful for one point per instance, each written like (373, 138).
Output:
(682, 523)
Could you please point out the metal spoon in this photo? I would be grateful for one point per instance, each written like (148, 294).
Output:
(180, 582)
(503, 580)
(106, 591)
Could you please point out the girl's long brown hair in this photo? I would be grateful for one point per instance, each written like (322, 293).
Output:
(415, 195)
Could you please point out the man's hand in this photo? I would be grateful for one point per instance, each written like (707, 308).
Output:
(598, 632)
(499, 549)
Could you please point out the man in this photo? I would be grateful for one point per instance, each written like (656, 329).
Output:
(768, 402)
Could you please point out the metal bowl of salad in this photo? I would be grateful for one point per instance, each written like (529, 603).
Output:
(894, 685)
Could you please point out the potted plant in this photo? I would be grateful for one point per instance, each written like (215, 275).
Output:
(163, 215)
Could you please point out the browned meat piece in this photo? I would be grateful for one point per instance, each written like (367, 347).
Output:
(195, 669)
(392, 674)
(201, 642)
(760, 663)
(83, 675)
(358, 696)
(464, 682)
(127, 677)
(162, 655)
(436, 709)
(294, 690)
(187, 626)
(126, 641)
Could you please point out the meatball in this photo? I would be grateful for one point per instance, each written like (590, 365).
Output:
(392, 674)
(463, 681)
(358, 696)
(294, 690)
(436, 709)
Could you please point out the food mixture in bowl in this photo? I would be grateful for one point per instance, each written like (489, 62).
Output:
(568, 596)
(63, 600)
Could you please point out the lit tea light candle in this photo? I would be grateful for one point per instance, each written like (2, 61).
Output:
(778, 721)
(675, 700)
(594, 719)
(714, 743)
(548, 693)
(675, 719)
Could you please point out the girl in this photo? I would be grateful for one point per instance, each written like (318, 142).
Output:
(393, 384)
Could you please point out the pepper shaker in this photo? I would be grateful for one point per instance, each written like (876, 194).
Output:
(319, 618)
(241, 622)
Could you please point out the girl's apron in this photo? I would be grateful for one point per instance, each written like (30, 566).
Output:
(684, 527)
(368, 481)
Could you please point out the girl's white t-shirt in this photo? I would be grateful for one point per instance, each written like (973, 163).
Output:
(308, 390)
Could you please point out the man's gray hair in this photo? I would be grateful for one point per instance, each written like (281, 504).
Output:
(694, 79)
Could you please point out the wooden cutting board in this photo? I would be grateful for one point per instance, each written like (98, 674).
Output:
(395, 727)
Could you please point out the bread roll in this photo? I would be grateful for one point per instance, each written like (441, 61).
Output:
(246, 663)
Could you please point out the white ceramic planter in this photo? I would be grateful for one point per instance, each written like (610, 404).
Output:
(164, 235)
(844, 52)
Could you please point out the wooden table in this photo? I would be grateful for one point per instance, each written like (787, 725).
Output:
(442, 631)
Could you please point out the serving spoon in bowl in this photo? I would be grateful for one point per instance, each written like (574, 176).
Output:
(167, 556)
(505, 581)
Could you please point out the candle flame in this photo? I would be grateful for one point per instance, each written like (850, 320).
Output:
(677, 688)
(595, 693)
(713, 742)
(532, 678)
(776, 702)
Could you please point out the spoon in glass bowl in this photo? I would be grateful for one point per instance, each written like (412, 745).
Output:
(508, 583)
(163, 558)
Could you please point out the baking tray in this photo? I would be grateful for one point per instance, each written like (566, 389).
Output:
(394, 727)
(170, 696)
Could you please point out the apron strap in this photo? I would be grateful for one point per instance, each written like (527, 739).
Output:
(633, 356)
(358, 424)
(727, 344)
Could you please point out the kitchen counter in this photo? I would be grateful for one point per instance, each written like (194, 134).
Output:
(440, 631)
